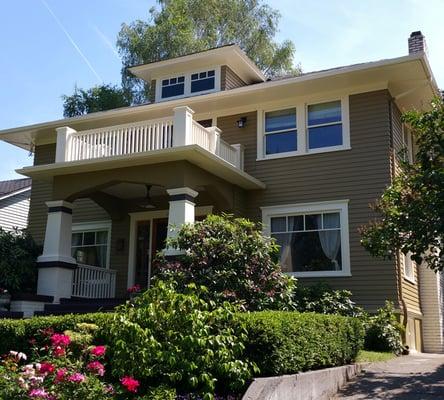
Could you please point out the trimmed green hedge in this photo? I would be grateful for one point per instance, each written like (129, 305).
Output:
(282, 342)
(16, 333)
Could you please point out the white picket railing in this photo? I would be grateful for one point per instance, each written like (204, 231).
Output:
(200, 136)
(227, 152)
(94, 282)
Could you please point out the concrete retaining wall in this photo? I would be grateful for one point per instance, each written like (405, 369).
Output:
(313, 385)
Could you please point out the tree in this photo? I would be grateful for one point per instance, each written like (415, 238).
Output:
(412, 208)
(185, 26)
(98, 98)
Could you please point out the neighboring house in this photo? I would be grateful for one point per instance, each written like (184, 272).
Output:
(305, 155)
(14, 203)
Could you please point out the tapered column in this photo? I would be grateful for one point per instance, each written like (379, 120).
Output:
(56, 265)
(181, 211)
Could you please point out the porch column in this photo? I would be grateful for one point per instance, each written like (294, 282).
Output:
(56, 265)
(181, 211)
(63, 146)
(183, 125)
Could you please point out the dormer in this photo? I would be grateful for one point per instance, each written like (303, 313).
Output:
(214, 70)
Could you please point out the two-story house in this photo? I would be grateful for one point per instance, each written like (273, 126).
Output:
(305, 155)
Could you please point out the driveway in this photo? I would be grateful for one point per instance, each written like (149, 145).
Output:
(414, 377)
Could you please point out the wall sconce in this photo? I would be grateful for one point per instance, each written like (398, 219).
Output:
(242, 122)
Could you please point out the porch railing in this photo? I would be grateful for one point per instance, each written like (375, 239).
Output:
(142, 137)
(94, 282)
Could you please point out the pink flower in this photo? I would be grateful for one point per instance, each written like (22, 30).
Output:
(58, 339)
(96, 367)
(46, 368)
(38, 394)
(98, 351)
(134, 289)
(130, 383)
(58, 351)
(60, 375)
(77, 377)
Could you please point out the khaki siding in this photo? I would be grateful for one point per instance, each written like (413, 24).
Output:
(359, 175)
(229, 79)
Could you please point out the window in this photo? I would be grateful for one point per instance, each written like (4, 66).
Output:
(173, 87)
(280, 131)
(409, 267)
(91, 246)
(324, 125)
(313, 238)
(202, 81)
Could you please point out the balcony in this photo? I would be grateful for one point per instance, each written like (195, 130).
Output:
(143, 137)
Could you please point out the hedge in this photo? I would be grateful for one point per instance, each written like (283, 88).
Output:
(282, 342)
(279, 342)
(16, 333)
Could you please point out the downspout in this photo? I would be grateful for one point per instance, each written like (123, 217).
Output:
(397, 259)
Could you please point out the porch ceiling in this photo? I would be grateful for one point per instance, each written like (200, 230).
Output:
(192, 153)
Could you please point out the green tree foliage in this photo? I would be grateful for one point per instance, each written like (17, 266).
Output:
(181, 27)
(412, 208)
(233, 260)
(98, 98)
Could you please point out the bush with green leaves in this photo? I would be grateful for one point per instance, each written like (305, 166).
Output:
(232, 258)
(179, 340)
(282, 342)
(18, 255)
(322, 299)
(384, 331)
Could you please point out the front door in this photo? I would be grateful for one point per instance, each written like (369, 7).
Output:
(160, 230)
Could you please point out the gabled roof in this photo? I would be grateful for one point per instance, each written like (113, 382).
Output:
(15, 186)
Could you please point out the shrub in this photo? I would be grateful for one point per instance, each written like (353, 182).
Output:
(16, 333)
(18, 254)
(383, 331)
(178, 339)
(233, 260)
(322, 299)
(281, 342)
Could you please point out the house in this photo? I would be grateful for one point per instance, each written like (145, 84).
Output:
(14, 204)
(305, 155)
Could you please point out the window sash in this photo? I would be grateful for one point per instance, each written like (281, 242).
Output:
(322, 228)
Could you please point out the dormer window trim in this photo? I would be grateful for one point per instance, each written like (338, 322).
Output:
(188, 82)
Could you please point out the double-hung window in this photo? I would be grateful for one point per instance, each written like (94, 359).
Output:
(324, 125)
(313, 238)
(280, 131)
(203, 81)
(409, 267)
(173, 87)
(91, 246)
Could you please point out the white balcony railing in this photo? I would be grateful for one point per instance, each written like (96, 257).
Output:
(94, 282)
(144, 136)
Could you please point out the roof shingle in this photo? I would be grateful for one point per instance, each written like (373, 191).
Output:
(7, 187)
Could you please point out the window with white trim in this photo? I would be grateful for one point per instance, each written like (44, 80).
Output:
(203, 81)
(313, 238)
(409, 267)
(173, 87)
(280, 133)
(324, 125)
(90, 246)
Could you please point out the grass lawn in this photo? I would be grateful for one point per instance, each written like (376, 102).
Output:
(373, 356)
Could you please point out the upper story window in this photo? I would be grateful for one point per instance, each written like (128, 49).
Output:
(303, 129)
(324, 125)
(173, 87)
(313, 238)
(203, 81)
(280, 131)
(409, 267)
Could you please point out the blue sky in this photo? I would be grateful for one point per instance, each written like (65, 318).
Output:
(48, 46)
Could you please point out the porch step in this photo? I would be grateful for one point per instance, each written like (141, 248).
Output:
(82, 300)
(80, 306)
(11, 314)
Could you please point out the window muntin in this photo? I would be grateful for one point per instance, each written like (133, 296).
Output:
(203, 81)
(90, 247)
(173, 87)
(280, 131)
(309, 242)
(324, 125)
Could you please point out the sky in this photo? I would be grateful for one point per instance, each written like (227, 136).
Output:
(49, 46)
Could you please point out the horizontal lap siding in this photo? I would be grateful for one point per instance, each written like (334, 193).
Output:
(14, 211)
(229, 79)
(360, 175)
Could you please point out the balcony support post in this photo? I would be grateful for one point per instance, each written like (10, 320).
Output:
(182, 126)
(239, 155)
(63, 146)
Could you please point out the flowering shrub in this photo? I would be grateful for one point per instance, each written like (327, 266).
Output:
(233, 260)
(134, 289)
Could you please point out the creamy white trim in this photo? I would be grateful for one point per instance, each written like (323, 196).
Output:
(135, 217)
(182, 190)
(11, 194)
(337, 205)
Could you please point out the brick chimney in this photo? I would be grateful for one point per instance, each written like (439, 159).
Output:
(417, 43)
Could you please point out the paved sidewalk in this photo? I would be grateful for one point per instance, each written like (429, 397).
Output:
(414, 377)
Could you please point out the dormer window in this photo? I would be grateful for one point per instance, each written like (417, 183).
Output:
(173, 87)
(202, 81)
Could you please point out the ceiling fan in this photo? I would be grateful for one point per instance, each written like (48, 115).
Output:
(144, 202)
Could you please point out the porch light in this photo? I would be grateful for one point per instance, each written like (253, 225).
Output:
(242, 122)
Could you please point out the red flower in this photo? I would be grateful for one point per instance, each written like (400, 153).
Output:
(58, 339)
(134, 289)
(96, 367)
(98, 351)
(58, 351)
(130, 383)
(60, 375)
(46, 367)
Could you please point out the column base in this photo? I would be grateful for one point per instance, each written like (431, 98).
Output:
(55, 279)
